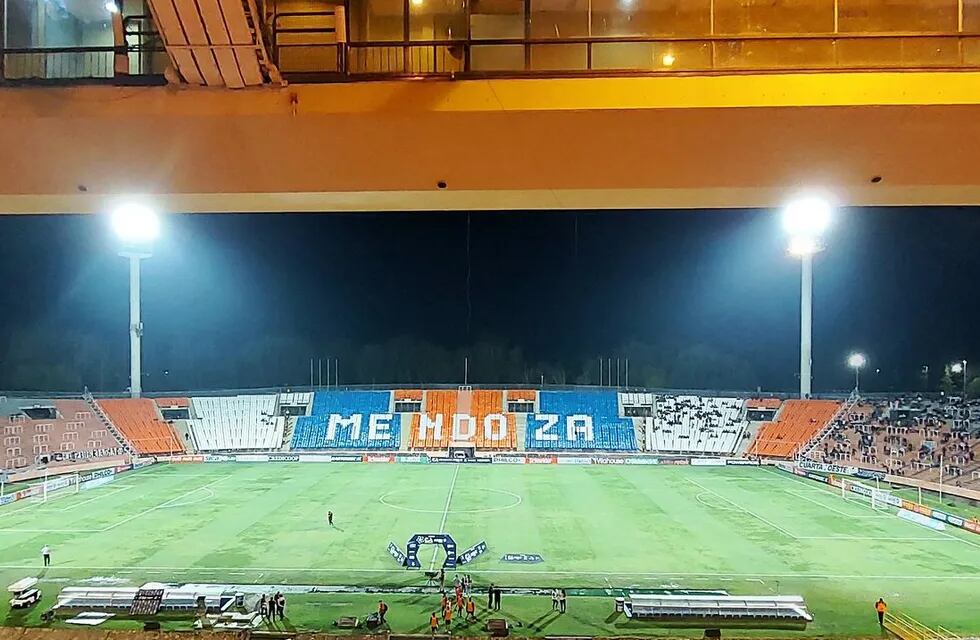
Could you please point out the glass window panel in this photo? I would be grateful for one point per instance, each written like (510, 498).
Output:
(508, 57)
(437, 19)
(898, 52)
(496, 19)
(651, 56)
(971, 16)
(817, 53)
(377, 20)
(559, 19)
(612, 18)
(971, 52)
(559, 57)
(767, 16)
(875, 16)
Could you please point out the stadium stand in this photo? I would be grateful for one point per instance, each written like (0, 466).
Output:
(231, 423)
(348, 420)
(797, 423)
(695, 424)
(52, 431)
(579, 420)
(139, 421)
(482, 421)
(910, 436)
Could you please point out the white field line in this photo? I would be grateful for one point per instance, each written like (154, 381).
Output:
(124, 520)
(445, 514)
(743, 509)
(651, 574)
(822, 489)
(798, 494)
(94, 498)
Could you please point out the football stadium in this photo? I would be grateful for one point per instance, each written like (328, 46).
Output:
(786, 516)
(466, 209)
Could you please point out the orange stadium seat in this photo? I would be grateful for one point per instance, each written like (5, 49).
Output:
(530, 395)
(436, 403)
(763, 403)
(173, 403)
(140, 423)
(798, 422)
(408, 394)
(478, 404)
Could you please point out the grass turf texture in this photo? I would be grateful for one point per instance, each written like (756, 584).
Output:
(747, 530)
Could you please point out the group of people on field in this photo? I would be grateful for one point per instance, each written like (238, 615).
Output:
(272, 607)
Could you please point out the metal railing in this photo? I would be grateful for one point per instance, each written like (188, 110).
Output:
(304, 43)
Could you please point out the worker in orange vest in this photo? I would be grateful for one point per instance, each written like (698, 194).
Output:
(434, 623)
(881, 608)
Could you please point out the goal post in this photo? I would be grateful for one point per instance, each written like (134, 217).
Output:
(876, 497)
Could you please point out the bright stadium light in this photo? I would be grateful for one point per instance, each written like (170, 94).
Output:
(807, 217)
(960, 367)
(137, 225)
(857, 361)
(111, 6)
(805, 220)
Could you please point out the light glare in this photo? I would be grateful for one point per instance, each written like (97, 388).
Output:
(807, 217)
(803, 246)
(135, 223)
(856, 360)
(111, 6)
(957, 367)
(668, 59)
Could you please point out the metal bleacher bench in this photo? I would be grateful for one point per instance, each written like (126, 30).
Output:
(716, 612)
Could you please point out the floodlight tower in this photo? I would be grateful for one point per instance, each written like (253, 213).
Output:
(960, 367)
(857, 361)
(805, 220)
(137, 226)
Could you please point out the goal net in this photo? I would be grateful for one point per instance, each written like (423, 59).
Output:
(871, 495)
(53, 488)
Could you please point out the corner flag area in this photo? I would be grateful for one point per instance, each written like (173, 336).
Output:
(598, 531)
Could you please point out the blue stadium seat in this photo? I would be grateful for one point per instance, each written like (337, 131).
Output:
(311, 431)
(609, 431)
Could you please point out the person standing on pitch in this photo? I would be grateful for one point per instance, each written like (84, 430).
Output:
(434, 623)
(554, 599)
(562, 596)
(272, 608)
(330, 518)
(46, 555)
(382, 610)
(490, 596)
(881, 608)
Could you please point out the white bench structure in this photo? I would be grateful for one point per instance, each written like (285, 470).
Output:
(236, 423)
(695, 424)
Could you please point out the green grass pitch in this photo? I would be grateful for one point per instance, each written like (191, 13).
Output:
(747, 530)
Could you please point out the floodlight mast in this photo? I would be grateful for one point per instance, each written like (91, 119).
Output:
(805, 220)
(137, 226)
(857, 361)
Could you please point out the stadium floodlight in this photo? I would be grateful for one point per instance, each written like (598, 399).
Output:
(137, 225)
(960, 367)
(111, 6)
(805, 220)
(857, 361)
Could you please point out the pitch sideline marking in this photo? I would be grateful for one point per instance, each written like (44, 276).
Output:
(747, 576)
(741, 508)
(445, 514)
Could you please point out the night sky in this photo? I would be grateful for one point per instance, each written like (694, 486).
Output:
(707, 299)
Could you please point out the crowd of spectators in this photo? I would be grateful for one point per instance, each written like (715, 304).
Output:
(908, 435)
